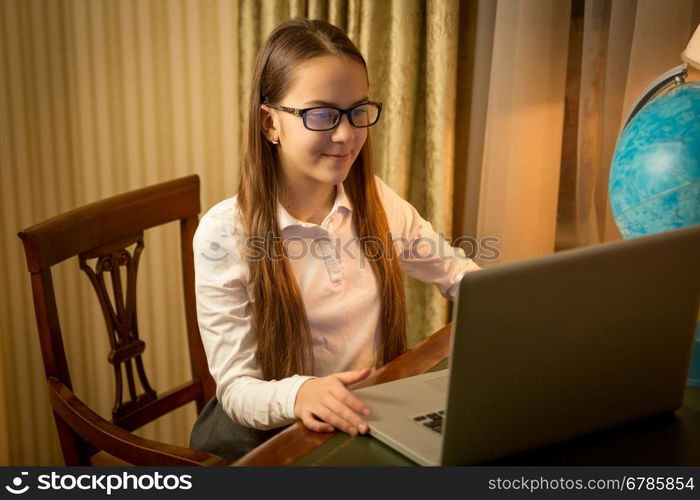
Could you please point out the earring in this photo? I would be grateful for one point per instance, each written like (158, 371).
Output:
(275, 142)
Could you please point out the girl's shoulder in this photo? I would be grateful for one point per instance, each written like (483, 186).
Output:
(396, 207)
(388, 195)
(221, 226)
(224, 209)
(382, 188)
(218, 245)
(223, 216)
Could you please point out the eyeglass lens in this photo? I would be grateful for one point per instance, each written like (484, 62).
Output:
(363, 115)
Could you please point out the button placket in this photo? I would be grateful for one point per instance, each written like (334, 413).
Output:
(335, 271)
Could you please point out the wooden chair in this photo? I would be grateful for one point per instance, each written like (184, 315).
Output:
(105, 230)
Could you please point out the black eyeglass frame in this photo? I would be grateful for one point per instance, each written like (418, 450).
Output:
(302, 114)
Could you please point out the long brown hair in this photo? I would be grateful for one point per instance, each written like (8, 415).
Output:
(279, 317)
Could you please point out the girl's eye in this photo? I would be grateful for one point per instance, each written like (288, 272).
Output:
(360, 115)
(321, 117)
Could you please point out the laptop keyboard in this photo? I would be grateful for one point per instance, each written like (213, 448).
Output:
(432, 420)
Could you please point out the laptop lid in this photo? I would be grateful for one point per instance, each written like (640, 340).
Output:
(554, 347)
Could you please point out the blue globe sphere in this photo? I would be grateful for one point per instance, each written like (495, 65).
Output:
(655, 174)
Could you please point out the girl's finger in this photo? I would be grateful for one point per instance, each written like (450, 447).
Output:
(353, 376)
(310, 422)
(350, 400)
(346, 413)
(337, 421)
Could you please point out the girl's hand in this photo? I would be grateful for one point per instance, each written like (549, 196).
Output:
(325, 404)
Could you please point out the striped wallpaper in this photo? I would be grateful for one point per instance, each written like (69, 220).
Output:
(99, 97)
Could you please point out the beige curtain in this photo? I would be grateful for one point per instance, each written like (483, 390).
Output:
(102, 96)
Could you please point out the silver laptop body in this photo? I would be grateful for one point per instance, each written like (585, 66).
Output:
(551, 348)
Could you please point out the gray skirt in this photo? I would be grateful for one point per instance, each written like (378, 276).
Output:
(215, 432)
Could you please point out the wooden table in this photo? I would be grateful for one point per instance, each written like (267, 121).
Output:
(669, 439)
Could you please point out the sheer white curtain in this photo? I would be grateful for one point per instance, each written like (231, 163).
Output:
(521, 65)
(518, 96)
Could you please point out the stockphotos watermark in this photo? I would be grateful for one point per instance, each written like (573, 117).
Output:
(296, 248)
(95, 482)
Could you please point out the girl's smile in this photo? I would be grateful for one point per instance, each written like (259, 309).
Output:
(338, 157)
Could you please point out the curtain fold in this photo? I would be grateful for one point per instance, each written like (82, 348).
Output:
(523, 133)
(477, 26)
(592, 105)
(432, 172)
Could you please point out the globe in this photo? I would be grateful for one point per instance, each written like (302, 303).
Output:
(654, 180)
(655, 173)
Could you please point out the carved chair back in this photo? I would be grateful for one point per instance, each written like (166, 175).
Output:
(107, 237)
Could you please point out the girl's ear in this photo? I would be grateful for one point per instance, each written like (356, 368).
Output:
(269, 123)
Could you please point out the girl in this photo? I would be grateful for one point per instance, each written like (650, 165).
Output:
(298, 277)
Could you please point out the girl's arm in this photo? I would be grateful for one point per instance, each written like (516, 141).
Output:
(225, 324)
(425, 255)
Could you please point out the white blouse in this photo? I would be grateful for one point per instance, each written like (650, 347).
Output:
(337, 285)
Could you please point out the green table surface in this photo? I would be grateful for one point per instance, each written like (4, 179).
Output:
(670, 439)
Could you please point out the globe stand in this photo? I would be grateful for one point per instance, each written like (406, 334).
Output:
(676, 77)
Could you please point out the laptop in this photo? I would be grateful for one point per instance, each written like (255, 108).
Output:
(551, 348)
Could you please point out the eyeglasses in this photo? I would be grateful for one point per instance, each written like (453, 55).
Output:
(323, 118)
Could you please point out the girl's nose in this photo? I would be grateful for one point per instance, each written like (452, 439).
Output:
(344, 131)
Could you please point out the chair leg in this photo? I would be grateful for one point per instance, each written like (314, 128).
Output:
(72, 445)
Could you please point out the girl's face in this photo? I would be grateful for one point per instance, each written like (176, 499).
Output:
(311, 156)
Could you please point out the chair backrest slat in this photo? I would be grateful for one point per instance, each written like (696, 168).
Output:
(50, 338)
